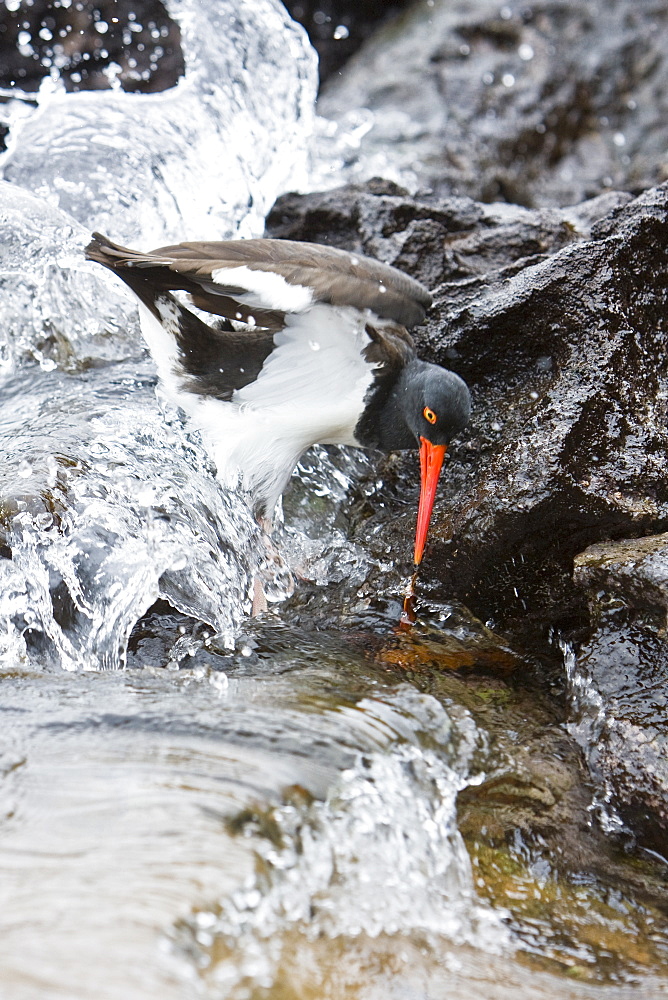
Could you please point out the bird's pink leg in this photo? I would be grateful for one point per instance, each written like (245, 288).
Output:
(259, 600)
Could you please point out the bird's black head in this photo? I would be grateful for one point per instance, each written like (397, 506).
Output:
(425, 407)
(427, 401)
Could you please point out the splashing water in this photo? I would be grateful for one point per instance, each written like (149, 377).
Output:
(55, 309)
(380, 855)
(205, 159)
(104, 509)
(588, 721)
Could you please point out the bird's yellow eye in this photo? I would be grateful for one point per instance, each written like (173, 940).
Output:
(429, 415)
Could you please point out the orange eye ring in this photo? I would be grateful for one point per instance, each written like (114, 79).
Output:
(429, 415)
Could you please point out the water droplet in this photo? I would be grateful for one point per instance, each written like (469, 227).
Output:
(25, 469)
(340, 31)
(488, 78)
(525, 52)
(219, 681)
(619, 139)
(508, 80)
(52, 471)
(205, 919)
(145, 496)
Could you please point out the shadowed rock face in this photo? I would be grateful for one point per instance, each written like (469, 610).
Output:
(90, 44)
(538, 104)
(557, 320)
(337, 28)
(569, 353)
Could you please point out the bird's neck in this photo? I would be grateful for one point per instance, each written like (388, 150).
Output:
(384, 422)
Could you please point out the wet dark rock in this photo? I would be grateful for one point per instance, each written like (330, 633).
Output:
(337, 28)
(547, 103)
(623, 667)
(89, 44)
(154, 636)
(540, 790)
(557, 320)
(634, 570)
(566, 352)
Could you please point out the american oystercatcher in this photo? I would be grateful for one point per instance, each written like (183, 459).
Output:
(310, 347)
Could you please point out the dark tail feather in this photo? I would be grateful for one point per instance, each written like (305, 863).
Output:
(102, 251)
(114, 256)
(144, 273)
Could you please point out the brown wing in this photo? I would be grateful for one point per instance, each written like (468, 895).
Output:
(216, 360)
(334, 276)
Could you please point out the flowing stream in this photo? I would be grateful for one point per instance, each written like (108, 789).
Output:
(194, 803)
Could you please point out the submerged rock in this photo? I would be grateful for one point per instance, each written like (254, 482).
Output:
(623, 670)
(539, 104)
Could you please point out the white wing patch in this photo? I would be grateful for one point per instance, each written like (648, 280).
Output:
(310, 390)
(316, 372)
(264, 289)
(305, 394)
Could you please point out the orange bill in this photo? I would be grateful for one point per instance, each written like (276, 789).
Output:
(431, 460)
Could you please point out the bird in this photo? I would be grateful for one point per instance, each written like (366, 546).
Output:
(303, 344)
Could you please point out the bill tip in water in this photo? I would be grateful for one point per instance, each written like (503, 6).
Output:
(408, 613)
